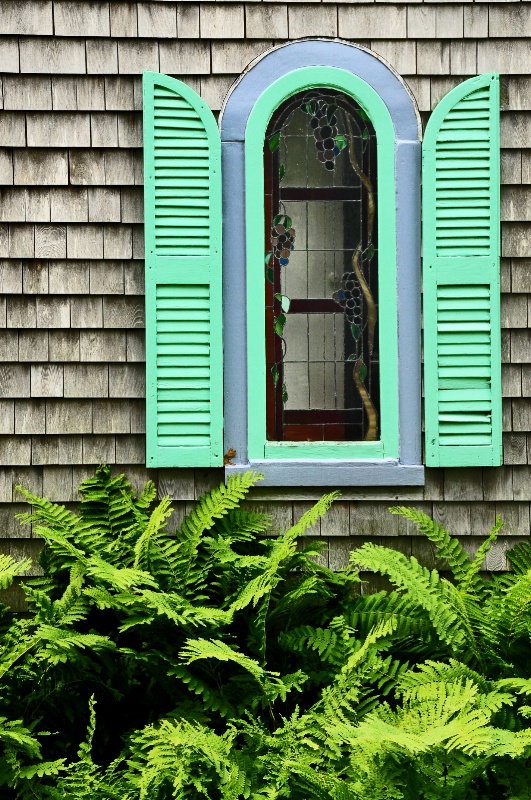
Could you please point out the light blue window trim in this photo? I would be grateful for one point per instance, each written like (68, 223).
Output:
(396, 459)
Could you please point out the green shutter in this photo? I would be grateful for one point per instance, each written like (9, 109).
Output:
(182, 179)
(461, 286)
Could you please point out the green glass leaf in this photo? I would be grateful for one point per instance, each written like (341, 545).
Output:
(278, 218)
(351, 357)
(284, 301)
(280, 321)
(340, 141)
(363, 372)
(284, 393)
(365, 134)
(355, 331)
(330, 111)
(268, 258)
(371, 251)
(362, 114)
(274, 141)
(281, 172)
(287, 223)
(310, 107)
(274, 373)
(270, 275)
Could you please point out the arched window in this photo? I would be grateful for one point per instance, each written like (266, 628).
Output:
(317, 389)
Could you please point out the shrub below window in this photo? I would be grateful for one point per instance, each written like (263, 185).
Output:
(224, 662)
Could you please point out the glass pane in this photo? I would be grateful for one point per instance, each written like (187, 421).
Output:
(321, 271)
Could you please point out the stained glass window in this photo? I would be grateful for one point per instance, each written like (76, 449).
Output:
(321, 271)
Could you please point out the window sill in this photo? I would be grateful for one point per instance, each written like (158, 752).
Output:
(292, 472)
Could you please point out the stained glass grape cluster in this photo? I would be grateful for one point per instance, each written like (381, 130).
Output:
(282, 238)
(323, 122)
(350, 297)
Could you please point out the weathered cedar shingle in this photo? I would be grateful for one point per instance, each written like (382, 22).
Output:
(434, 21)
(40, 167)
(106, 277)
(123, 17)
(221, 20)
(33, 345)
(368, 22)
(27, 17)
(49, 55)
(75, 18)
(57, 449)
(86, 380)
(102, 56)
(30, 417)
(69, 277)
(46, 380)
(186, 58)
(188, 20)
(157, 20)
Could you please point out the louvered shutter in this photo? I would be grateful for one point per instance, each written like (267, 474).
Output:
(461, 288)
(182, 179)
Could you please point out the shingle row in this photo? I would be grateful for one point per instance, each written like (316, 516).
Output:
(257, 20)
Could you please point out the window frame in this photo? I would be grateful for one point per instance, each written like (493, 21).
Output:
(371, 103)
(277, 75)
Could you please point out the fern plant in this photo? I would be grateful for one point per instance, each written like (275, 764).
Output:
(224, 662)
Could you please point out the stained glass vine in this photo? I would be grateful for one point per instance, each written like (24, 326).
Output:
(328, 213)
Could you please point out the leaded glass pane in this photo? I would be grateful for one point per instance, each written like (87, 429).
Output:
(321, 271)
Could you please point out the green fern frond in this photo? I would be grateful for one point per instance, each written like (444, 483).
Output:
(422, 586)
(196, 649)
(431, 672)
(146, 550)
(60, 641)
(520, 558)
(242, 525)
(51, 514)
(312, 515)
(473, 582)
(10, 569)
(368, 610)
(178, 610)
(210, 507)
(122, 580)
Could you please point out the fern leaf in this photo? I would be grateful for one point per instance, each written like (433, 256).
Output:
(472, 579)
(422, 586)
(312, 515)
(195, 649)
(209, 508)
(157, 520)
(9, 569)
(446, 546)
(520, 558)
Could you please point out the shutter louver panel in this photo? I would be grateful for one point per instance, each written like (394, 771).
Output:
(461, 291)
(182, 154)
(181, 177)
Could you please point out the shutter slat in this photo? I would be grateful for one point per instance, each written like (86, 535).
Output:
(182, 152)
(461, 313)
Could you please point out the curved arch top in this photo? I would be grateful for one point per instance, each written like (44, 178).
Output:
(358, 60)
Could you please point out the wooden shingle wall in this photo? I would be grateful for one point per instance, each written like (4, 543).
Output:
(71, 269)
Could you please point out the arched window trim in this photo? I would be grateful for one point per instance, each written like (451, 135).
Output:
(278, 75)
